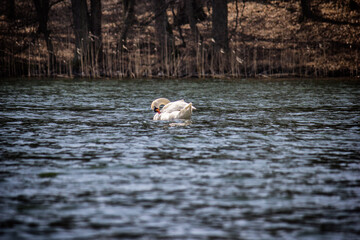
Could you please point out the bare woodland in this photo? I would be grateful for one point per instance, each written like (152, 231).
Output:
(180, 38)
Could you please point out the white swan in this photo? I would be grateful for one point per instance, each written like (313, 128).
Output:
(171, 110)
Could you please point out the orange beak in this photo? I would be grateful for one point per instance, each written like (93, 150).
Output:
(157, 110)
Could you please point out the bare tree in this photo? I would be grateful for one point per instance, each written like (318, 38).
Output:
(10, 10)
(42, 12)
(220, 36)
(191, 14)
(163, 31)
(220, 24)
(95, 26)
(129, 17)
(81, 30)
(305, 10)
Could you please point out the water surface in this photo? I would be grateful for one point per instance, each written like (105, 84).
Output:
(260, 159)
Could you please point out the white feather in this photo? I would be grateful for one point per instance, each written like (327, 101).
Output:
(172, 110)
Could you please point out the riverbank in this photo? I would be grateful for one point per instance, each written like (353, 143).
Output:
(271, 39)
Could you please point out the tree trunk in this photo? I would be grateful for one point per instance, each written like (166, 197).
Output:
(182, 16)
(190, 12)
(305, 10)
(81, 30)
(190, 6)
(163, 33)
(220, 36)
(42, 11)
(10, 10)
(95, 26)
(219, 24)
(129, 16)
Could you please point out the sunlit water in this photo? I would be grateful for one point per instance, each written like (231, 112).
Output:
(260, 159)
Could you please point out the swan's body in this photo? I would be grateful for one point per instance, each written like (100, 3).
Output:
(171, 110)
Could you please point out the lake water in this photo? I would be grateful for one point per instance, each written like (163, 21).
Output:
(260, 159)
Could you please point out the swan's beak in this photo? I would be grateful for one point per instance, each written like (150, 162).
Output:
(157, 110)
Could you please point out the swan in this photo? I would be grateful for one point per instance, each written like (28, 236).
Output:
(171, 110)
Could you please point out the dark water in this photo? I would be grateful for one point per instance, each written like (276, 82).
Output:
(261, 159)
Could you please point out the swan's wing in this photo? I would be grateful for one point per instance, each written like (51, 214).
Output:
(186, 112)
(174, 106)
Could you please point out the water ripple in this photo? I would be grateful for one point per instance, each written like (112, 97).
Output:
(261, 159)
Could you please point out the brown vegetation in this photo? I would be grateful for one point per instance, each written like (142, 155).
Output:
(180, 38)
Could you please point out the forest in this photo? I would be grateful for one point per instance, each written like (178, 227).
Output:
(180, 38)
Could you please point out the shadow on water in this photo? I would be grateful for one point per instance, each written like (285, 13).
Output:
(260, 159)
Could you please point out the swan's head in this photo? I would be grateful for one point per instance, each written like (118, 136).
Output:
(157, 110)
(155, 105)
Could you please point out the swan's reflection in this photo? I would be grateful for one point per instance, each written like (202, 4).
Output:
(180, 124)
